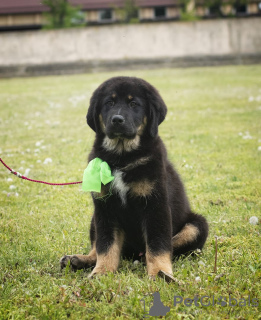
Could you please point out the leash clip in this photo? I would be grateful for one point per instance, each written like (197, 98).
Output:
(18, 174)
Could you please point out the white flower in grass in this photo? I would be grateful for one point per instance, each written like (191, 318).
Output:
(27, 171)
(253, 220)
(247, 136)
(9, 180)
(12, 187)
(38, 143)
(201, 263)
(197, 279)
(136, 262)
(47, 160)
(259, 148)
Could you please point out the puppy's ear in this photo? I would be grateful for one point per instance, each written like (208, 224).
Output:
(92, 114)
(90, 117)
(157, 111)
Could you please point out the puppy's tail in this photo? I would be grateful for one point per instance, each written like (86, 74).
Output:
(192, 236)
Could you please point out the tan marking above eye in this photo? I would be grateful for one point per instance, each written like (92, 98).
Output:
(114, 95)
(130, 97)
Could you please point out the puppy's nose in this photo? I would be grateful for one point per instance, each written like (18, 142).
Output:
(117, 119)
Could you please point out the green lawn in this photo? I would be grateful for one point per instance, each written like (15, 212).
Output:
(213, 136)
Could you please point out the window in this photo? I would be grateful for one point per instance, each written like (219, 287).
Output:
(240, 8)
(160, 12)
(106, 15)
(214, 9)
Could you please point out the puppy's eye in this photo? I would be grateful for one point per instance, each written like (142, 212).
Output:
(133, 104)
(109, 103)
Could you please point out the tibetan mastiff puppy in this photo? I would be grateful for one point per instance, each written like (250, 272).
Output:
(144, 211)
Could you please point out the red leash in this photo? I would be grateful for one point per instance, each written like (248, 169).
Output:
(38, 181)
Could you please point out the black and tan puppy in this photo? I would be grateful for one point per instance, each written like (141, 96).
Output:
(147, 212)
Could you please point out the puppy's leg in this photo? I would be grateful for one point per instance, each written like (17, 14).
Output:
(158, 238)
(80, 261)
(108, 254)
(157, 262)
(192, 236)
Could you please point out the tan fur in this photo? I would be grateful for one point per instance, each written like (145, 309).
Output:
(119, 145)
(90, 258)
(130, 97)
(102, 123)
(188, 234)
(142, 127)
(155, 263)
(109, 261)
(105, 190)
(114, 95)
(80, 261)
(141, 188)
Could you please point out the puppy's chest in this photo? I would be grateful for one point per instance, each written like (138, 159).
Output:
(138, 188)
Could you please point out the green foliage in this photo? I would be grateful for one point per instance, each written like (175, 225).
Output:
(187, 11)
(212, 134)
(62, 14)
(129, 12)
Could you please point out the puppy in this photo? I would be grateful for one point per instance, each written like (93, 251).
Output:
(144, 211)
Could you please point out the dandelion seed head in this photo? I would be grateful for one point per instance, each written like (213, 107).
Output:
(253, 220)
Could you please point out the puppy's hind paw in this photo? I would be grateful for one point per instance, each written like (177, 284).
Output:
(64, 261)
(74, 262)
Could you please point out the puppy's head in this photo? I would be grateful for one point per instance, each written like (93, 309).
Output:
(126, 107)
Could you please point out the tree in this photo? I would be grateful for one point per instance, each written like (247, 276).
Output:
(128, 12)
(62, 14)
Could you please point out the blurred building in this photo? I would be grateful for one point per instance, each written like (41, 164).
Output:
(29, 14)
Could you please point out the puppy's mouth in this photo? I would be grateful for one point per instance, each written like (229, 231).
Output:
(121, 135)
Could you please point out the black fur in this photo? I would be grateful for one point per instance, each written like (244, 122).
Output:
(160, 215)
(155, 207)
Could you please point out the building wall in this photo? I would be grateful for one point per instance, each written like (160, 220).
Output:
(252, 8)
(173, 12)
(21, 19)
(209, 38)
(146, 13)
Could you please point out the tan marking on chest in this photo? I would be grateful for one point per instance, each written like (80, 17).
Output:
(142, 188)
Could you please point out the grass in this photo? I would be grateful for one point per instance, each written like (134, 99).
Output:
(212, 133)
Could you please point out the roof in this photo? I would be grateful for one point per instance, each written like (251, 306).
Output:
(33, 6)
